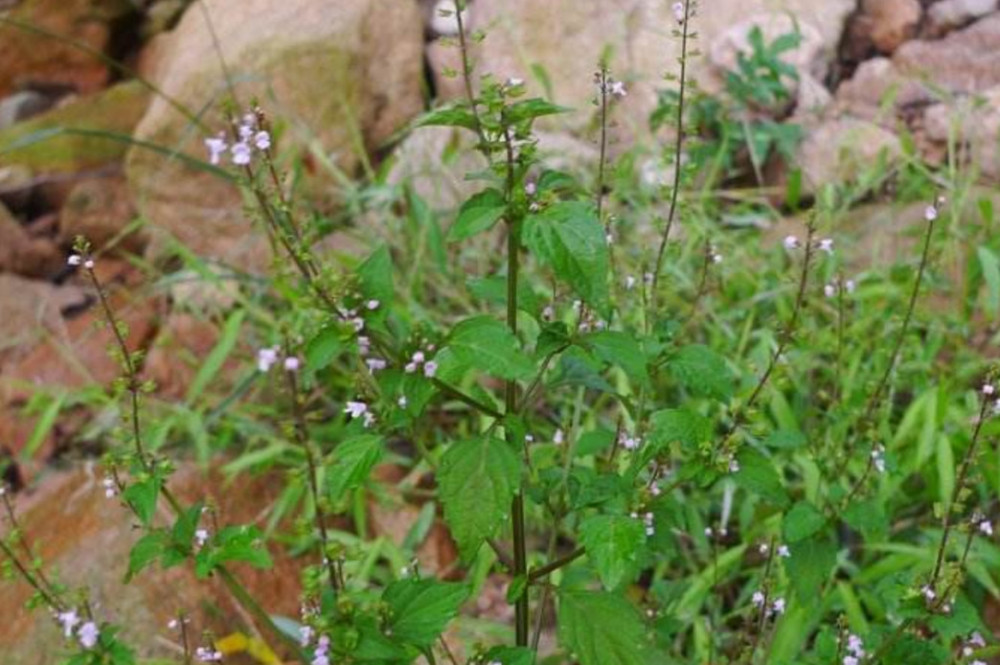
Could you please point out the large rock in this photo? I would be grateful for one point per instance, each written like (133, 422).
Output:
(23, 254)
(338, 76)
(32, 309)
(972, 121)
(567, 38)
(101, 211)
(84, 540)
(882, 25)
(33, 59)
(949, 14)
(843, 150)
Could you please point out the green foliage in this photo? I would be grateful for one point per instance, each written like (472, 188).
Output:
(613, 543)
(602, 627)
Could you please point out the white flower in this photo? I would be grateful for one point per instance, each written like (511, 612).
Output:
(558, 437)
(976, 639)
(734, 465)
(783, 551)
(369, 419)
(757, 599)
(372, 304)
(826, 245)
(201, 537)
(207, 655)
(364, 345)
(402, 402)
(716, 257)
(617, 89)
(630, 283)
(548, 313)
(530, 188)
(678, 9)
(173, 624)
(110, 489)
(410, 368)
(928, 592)
(855, 645)
(74, 260)
(850, 660)
(356, 409)
(849, 285)
(292, 364)
(763, 549)
(89, 264)
(930, 213)
(878, 458)
(514, 82)
(375, 364)
(829, 290)
(241, 154)
(791, 242)
(266, 358)
(88, 635)
(708, 532)
(418, 357)
(262, 140)
(216, 146)
(986, 528)
(358, 323)
(609, 238)
(779, 606)
(69, 621)
(305, 635)
(988, 389)
(430, 369)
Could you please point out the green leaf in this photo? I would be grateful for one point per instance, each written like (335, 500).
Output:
(489, 345)
(450, 116)
(869, 518)
(613, 544)
(375, 275)
(142, 497)
(517, 587)
(477, 481)
(702, 371)
(323, 348)
(809, 566)
(991, 274)
(145, 551)
(568, 237)
(600, 628)
(532, 108)
(213, 362)
(233, 543)
(802, 521)
(421, 609)
(688, 427)
(478, 214)
(786, 439)
(757, 475)
(352, 461)
(619, 348)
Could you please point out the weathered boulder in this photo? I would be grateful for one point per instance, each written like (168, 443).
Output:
(950, 14)
(339, 77)
(842, 150)
(882, 25)
(84, 539)
(566, 39)
(101, 211)
(23, 254)
(31, 58)
(970, 121)
(32, 309)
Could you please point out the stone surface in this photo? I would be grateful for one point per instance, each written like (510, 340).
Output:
(174, 358)
(971, 121)
(30, 58)
(32, 309)
(337, 76)
(23, 105)
(86, 538)
(886, 24)
(101, 211)
(842, 149)
(22, 254)
(949, 14)
(567, 38)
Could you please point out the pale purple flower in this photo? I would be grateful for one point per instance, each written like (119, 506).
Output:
(930, 213)
(292, 364)
(757, 599)
(356, 409)
(778, 607)
(530, 188)
(986, 528)
(110, 488)
(241, 153)
(372, 304)
(558, 437)
(617, 89)
(826, 245)
(375, 364)
(201, 537)
(262, 140)
(678, 9)
(988, 389)
(89, 264)
(216, 146)
(784, 552)
(266, 358)
(791, 242)
(88, 634)
(207, 655)
(430, 369)
(305, 635)
(69, 621)
(829, 290)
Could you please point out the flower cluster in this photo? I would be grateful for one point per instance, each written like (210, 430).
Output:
(78, 260)
(360, 410)
(418, 360)
(878, 458)
(679, 10)
(267, 357)
(250, 136)
(759, 600)
(974, 642)
(824, 245)
(648, 520)
(855, 650)
(110, 487)
(836, 286)
(608, 86)
(629, 442)
(208, 655)
(87, 633)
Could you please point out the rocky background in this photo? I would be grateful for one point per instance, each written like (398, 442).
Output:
(88, 88)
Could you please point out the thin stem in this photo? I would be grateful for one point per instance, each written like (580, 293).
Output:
(467, 74)
(678, 151)
(603, 82)
(763, 608)
(538, 573)
(25, 545)
(49, 599)
(302, 438)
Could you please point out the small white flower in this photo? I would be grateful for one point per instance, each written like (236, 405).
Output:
(976, 639)
(430, 369)
(548, 313)
(855, 645)
(530, 188)
(372, 305)
(207, 655)
(826, 245)
(89, 264)
(375, 364)
(69, 621)
(930, 213)
(266, 358)
(778, 607)
(262, 140)
(201, 537)
(368, 419)
(514, 82)
(630, 283)
(986, 528)
(216, 146)
(241, 153)
(829, 290)
(928, 593)
(783, 551)
(708, 532)
(364, 345)
(410, 368)
(356, 409)
(558, 437)
(609, 238)
(617, 89)
(678, 9)
(402, 401)
(716, 257)
(305, 635)
(988, 389)
(791, 242)
(358, 323)
(110, 488)
(849, 285)
(292, 364)
(763, 549)
(246, 129)
(74, 260)
(757, 599)
(850, 660)
(88, 635)
(418, 357)
(734, 465)
(878, 458)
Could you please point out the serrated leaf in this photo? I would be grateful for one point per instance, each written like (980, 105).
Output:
(375, 275)
(600, 628)
(868, 517)
(352, 461)
(688, 427)
(758, 475)
(619, 348)
(568, 237)
(802, 521)
(233, 543)
(145, 551)
(478, 214)
(809, 566)
(421, 609)
(142, 497)
(477, 481)
(613, 543)
(451, 116)
(702, 371)
(489, 345)
(532, 108)
(324, 346)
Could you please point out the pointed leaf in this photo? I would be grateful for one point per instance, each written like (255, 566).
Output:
(478, 214)
(613, 543)
(487, 344)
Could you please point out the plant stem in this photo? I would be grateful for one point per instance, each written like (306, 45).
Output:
(510, 394)
(467, 74)
(552, 566)
(678, 150)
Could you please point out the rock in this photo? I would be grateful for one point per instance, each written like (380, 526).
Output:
(43, 147)
(950, 14)
(973, 122)
(30, 58)
(964, 62)
(22, 105)
(434, 161)
(22, 254)
(889, 23)
(85, 539)
(176, 355)
(32, 310)
(843, 149)
(566, 39)
(16, 184)
(442, 20)
(332, 73)
(101, 210)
